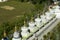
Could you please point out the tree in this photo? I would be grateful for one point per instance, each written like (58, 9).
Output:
(45, 37)
(48, 35)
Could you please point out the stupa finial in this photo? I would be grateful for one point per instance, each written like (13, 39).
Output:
(24, 23)
(4, 33)
(32, 18)
(15, 28)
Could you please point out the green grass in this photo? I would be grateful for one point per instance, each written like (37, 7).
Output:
(20, 9)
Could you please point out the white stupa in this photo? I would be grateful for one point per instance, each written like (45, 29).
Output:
(31, 25)
(43, 18)
(38, 21)
(51, 11)
(56, 10)
(49, 16)
(16, 35)
(3, 0)
(24, 29)
(5, 36)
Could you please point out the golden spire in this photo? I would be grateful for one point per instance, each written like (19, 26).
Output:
(4, 33)
(38, 15)
(15, 28)
(24, 23)
(32, 18)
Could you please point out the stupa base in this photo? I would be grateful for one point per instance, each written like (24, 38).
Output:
(16, 38)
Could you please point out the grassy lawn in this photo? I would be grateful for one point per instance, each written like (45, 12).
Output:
(20, 10)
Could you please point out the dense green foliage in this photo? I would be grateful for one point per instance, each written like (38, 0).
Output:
(56, 32)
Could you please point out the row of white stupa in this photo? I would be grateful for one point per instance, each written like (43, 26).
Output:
(34, 25)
